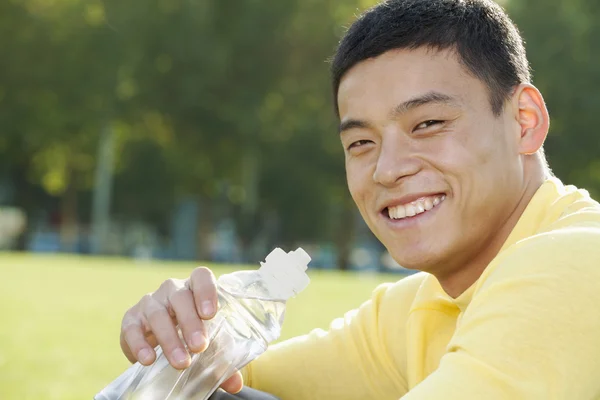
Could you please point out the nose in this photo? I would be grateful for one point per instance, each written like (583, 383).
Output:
(395, 161)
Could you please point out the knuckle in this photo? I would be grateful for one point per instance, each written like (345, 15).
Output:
(129, 315)
(178, 296)
(153, 312)
(169, 285)
(146, 300)
(201, 274)
(132, 317)
(152, 308)
(129, 324)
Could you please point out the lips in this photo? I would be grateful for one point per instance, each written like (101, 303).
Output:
(422, 205)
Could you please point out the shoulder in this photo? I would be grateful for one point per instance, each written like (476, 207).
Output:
(577, 242)
(398, 295)
(570, 253)
(568, 236)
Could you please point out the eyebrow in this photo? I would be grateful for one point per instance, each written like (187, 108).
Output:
(404, 107)
(428, 98)
(352, 124)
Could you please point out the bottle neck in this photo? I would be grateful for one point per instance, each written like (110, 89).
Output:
(263, 316)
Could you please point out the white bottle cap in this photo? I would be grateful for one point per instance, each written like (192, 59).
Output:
(285, 273)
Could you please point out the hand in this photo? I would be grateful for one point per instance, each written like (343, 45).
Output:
(153, 321)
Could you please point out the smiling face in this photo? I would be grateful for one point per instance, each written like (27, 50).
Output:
(435, 174)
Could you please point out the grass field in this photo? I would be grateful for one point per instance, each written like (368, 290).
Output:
(60, 317)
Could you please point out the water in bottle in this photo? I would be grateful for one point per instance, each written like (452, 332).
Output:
(249, 317)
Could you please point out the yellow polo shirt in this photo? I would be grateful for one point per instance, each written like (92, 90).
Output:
(529, 328)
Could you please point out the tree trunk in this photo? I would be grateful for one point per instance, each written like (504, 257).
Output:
(24, 199)
(205, 229)
(345, 237)
(68, 210)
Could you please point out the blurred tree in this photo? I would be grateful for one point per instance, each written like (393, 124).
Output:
(229, 102)
(563, 47)
(57, 75)
(246, 88)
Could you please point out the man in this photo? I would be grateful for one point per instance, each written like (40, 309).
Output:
(443, 134)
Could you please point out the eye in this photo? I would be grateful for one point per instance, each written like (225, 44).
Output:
(358, 143)
(429, 123)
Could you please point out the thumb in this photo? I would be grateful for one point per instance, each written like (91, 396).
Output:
(234, 384)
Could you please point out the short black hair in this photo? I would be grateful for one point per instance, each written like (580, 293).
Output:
(486, 41)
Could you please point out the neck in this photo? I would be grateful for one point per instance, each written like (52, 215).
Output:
(458, 280)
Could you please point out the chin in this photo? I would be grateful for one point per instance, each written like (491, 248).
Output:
(417, 261)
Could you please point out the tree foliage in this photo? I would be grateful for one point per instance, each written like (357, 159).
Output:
(564, 51)
(229, 103)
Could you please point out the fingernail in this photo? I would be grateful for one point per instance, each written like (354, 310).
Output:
(144, 356)
(181, 357)
(207, 307)
(197, 340)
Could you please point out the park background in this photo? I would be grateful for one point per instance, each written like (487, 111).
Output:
(139, 139)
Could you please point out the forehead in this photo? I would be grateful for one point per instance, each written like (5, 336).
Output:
(399, 75)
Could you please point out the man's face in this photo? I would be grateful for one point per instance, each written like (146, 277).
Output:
(434, 172)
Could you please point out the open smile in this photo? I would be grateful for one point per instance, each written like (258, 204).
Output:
(414, 210)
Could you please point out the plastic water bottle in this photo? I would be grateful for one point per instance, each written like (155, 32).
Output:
(249, 317)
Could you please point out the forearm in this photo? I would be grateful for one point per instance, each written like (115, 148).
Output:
(349, 361)
(462, 378)
(308, 367)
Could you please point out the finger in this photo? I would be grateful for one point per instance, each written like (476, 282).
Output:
(163, 328)
(182, 304)
(203, 285)
(151, 339)
(234, 384)
(134, 343)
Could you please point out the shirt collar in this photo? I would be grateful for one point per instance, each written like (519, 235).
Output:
(535, 217)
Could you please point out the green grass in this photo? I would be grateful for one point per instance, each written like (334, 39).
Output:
(61, 315)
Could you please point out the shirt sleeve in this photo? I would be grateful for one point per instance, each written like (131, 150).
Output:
(346, 362)
(532, 330)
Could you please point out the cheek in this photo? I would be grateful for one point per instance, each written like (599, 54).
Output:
(491, 144)
(470, 169)
(359, 180)
(471, 152)
(480, 175)
(353, 183)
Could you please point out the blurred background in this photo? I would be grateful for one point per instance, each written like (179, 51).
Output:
(204, 130)
(149, 132)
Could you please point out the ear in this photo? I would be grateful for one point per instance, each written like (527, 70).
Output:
(532, 116)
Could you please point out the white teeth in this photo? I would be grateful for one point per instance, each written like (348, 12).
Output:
(428, 204)
(416, 207)
(393, 212)
(420, 208)
(400, 212)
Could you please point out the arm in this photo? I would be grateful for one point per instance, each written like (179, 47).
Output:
(349, 361)
(532, 330)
